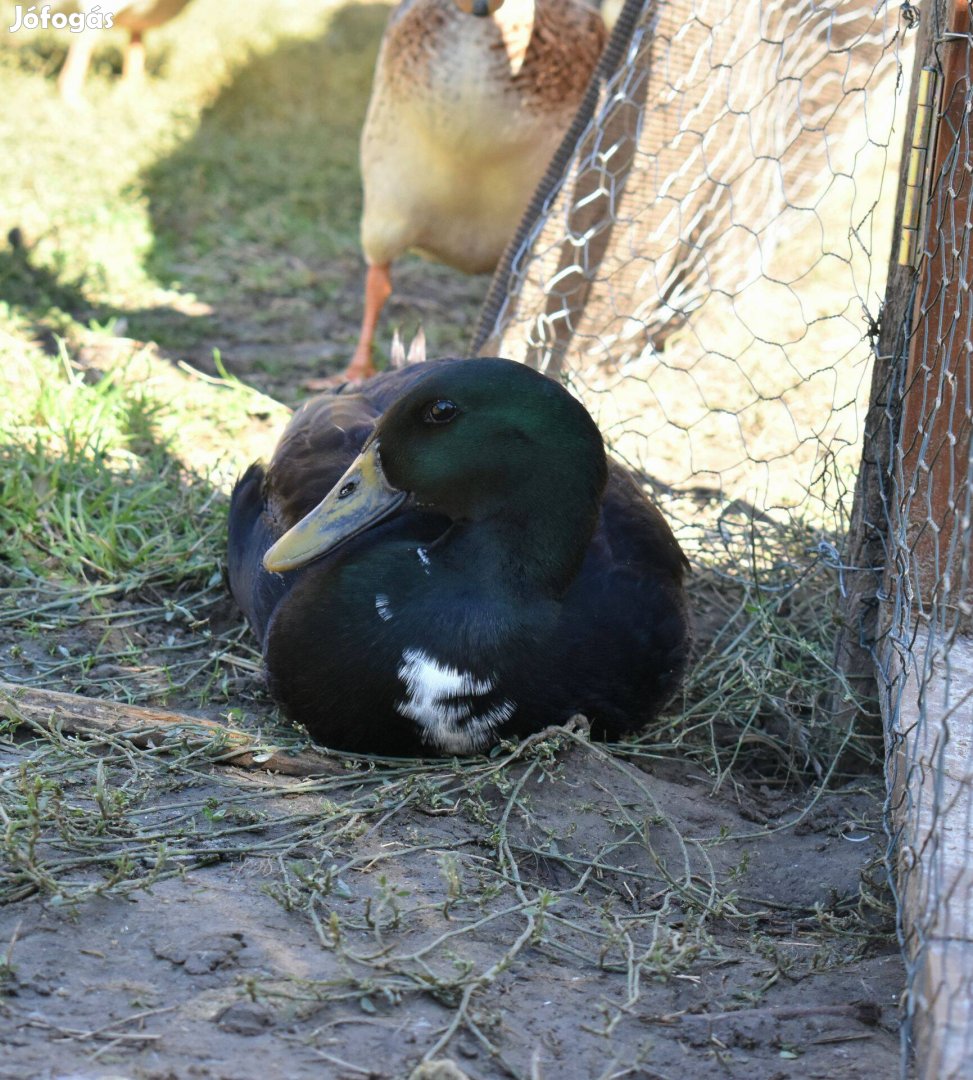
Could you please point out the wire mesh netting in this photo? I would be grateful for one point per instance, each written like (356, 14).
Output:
(700, 268)
(705, 265)
(925, 652)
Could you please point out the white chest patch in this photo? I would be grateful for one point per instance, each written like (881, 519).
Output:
(382, 607)
(433, 698)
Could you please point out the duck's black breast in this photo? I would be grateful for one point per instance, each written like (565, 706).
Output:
(381, 649)
(624, 635)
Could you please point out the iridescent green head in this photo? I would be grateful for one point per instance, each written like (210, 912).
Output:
(479, 441)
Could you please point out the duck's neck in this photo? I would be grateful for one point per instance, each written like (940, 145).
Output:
(537, 551)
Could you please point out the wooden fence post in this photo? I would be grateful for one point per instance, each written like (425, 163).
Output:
(866, 547)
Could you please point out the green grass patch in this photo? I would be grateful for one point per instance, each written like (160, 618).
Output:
(91, 490)
(113, 512)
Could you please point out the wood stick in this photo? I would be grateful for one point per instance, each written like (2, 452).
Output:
(143, 727)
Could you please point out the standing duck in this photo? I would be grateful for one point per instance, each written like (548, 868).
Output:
(469, 102)
(135, 16)
(445, 557)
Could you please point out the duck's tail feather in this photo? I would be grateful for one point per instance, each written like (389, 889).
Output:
(250, 534)
(398, 358)
(417, 350)
(397, 352)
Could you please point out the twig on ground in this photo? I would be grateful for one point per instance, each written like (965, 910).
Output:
(145, 727)
(866, 1012)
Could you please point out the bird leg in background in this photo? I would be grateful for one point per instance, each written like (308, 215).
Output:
(133, 68)
(378, 288)
(70, 83)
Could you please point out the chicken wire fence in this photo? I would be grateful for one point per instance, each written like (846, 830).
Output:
(924, 480)
(700, 267)
(706, 265)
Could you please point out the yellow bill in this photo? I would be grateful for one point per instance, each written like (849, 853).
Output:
(361, 498)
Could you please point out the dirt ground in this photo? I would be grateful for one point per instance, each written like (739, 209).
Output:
(555, 910)
(665, 951)
(663, 909)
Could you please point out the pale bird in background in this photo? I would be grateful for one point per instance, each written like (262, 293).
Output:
(470, 100)
(135, 16)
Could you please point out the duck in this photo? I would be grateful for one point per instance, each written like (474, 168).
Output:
(470, 99)
(446, 557)
(135, 16)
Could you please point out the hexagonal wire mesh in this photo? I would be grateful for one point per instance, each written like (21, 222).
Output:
(704, 265)
(700, 270)
(925, 479)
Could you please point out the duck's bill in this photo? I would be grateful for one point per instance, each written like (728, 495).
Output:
(481, 8)
(361, 499)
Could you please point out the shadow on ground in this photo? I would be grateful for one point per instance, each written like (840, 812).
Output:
(49, 300)
(257, 216)
(254, 223)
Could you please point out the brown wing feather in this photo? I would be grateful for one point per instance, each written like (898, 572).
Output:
(323, 438)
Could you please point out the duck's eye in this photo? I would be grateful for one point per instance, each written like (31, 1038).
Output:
(440, 412)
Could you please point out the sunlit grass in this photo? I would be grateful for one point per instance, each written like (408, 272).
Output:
(233, 169)
(91, 489)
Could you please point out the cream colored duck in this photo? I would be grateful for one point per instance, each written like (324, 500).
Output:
(135, 16)
(469, 102)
